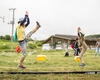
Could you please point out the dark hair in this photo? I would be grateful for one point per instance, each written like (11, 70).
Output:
(18, 22)
(76, 38)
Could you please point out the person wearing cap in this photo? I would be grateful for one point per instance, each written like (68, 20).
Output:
(97, 48)
(82, 44)
(76, 48)
(21, 38)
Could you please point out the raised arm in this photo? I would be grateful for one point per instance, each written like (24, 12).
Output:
(28, 22)
(26, 19)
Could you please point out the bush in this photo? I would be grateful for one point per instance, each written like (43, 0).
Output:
(39, 44)
(31, 46)
(5, 46)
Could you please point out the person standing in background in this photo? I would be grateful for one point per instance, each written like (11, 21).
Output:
(97, 49)
(76, 48)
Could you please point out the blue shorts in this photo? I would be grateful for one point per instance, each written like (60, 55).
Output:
(23, 43)
(23, 46)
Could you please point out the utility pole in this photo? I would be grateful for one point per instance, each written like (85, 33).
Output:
(12, 23)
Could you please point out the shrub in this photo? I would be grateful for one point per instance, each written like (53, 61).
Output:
(5, 46)
(31, 46)
(39, 44)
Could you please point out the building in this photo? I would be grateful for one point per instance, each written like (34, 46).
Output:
(61, 39)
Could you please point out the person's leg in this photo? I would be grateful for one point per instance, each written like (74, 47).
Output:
(84, 48)
(21, 61)
(74, 52)
(96, 51)
(99, 52)
(33, 31)
(77, 52)
(23, 47)
(81, 55)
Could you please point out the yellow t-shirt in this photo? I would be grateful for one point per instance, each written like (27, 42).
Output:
(20, 32)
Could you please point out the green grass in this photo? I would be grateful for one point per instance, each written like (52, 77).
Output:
(55, 62)
(6, 45)
(49, 77)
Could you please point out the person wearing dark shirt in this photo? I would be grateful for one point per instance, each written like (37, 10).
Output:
(76, 48)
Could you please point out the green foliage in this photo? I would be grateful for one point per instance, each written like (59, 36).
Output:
(1, 37)
(7, 37)
(4, 46)
(30, 39)
(39, 44)
(31, 46)
(93, 36)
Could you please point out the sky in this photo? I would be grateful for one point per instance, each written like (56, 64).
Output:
(55, 16)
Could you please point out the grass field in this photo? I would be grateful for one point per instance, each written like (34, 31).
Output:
(49, 77)
(55, 62)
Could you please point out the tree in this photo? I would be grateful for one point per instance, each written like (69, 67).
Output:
(93, 36)
(7, 37)
(1, 37)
